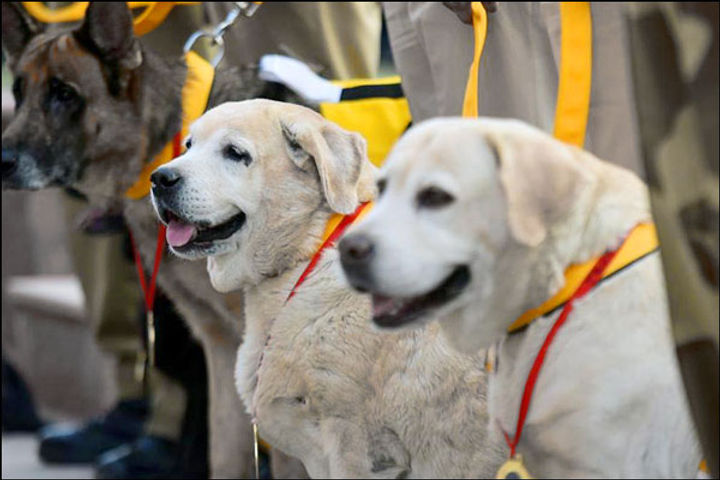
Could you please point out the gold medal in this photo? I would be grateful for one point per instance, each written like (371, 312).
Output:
(513, 468)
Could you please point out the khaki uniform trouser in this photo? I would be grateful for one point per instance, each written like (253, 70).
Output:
(518, 72)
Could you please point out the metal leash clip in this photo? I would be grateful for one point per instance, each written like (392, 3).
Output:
(244, 9)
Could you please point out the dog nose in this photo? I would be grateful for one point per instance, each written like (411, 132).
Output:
(9, 162)
(356, 249)
(165, 179)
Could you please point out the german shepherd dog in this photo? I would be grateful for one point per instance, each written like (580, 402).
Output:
(93, 105)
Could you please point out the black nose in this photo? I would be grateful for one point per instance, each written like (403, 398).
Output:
(165, 179)
(9, 162)
(356, 251)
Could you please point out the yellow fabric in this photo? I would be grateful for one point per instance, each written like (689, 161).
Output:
(574, 79)
(195, 94)
(641, 241)
(153, 14)
(470, 103)
(380, 120)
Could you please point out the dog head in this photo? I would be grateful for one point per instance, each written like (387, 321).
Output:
(81, 116)
(255, 187)
(459, 199)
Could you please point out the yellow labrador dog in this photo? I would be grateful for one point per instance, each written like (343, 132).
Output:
(477, 221)
(323, 385)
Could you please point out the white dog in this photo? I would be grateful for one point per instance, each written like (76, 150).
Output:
(477, 223)
(253, 194)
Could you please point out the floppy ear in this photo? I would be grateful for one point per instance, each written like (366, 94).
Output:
(108, 31)
(17, 30)
(340, 158)
(541, 177)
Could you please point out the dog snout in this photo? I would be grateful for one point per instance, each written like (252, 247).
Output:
(356, 253)
(9, 162)
(165, 180)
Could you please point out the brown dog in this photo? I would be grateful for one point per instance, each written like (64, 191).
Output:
(93, 106)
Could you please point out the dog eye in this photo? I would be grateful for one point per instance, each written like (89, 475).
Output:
(231, 152)
(433, 197)
(61, 91)
(381, 184)
(188, 143)
(18, 89)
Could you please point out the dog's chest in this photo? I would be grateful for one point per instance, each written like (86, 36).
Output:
(598, 397)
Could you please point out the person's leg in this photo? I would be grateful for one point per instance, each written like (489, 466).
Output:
(612, 132)
(411, 61)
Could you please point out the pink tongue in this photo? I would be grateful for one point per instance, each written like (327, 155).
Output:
(178, 233)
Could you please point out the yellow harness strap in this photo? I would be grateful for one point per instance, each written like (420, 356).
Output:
(152, 16)
(195, 94)
(575, 76)
(641, 241)
(470, 103)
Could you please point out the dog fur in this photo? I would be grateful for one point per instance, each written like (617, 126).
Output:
(93, 105)
(519, 208)
(324, 386)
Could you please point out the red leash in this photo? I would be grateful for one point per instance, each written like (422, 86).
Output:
(149, 289)
(339, 229)
(588, 283)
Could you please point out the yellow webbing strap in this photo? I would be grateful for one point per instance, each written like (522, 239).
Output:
(153, 14)
(641, 241)
(381, 120)
(575, 76)
(195, 95)
(470, 103)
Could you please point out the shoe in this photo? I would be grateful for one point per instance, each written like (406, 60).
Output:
(148, 457)
(18, 409)
(66, 444)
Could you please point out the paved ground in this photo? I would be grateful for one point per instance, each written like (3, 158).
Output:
(19, 460)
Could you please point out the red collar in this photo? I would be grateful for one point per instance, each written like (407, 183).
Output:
(346, 221)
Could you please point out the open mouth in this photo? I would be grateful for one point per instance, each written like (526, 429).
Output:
(183, 235)
(394, 312)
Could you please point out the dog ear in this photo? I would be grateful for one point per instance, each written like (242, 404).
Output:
(340, 158)
(541, 177)
(17, 30)
(388, 456)
(108, 31)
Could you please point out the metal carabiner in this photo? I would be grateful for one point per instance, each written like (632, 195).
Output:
(246, 9)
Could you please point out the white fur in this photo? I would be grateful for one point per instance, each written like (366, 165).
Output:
(609, 401)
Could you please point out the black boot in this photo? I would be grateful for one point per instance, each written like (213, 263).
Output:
(18, 408)
(66, 444)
